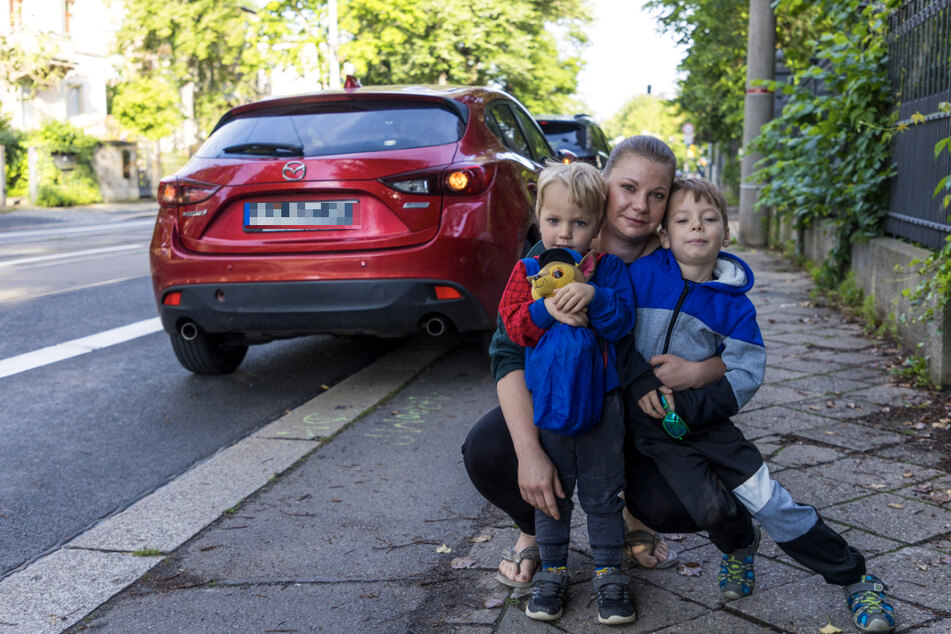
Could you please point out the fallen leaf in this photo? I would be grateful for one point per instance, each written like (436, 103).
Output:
(946, 560)
(830, 433)
(460, 563)
(326, 387)
(830, 405)
(896, 505)
(395, 412)
(689, 569)
(875, 486)
(907, 474)
(493, 603)
(939, 425)
(886, 409)
(922, 566)
(478, 539)
(335, 500)
(852, 406)
(944, 420)
(442, 549)
(828, 628)
(815, 408)
(924, 487)
(920, 426)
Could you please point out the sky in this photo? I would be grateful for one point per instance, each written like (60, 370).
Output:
(625, 54)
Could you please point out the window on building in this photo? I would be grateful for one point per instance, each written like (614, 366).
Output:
(74, 101)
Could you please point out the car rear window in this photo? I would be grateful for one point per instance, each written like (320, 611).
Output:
(338, 128)
(565, 135)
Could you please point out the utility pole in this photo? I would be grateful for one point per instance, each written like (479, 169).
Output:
(333, 44)
(760, 59)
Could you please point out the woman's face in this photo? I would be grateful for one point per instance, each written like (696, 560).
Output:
(637, 197)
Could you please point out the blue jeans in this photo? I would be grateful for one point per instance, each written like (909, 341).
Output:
(595, 461)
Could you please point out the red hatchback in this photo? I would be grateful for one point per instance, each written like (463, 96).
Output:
(377, 210)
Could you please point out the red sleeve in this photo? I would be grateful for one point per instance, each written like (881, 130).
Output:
(514, 309)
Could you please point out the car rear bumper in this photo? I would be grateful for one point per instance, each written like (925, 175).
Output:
(268, 310)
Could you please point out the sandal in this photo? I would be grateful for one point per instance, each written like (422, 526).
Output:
(529, 553)
(641, 537)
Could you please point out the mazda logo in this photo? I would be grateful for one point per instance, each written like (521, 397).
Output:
(294, 171)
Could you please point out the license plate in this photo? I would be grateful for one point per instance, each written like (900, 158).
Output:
(301, 216)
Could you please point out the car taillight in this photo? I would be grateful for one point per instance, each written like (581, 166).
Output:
(184, 192)
(462, 179)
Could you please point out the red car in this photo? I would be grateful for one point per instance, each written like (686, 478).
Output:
(376, 210)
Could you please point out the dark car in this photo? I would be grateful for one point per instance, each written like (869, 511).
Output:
(579, 134)
(374, 210)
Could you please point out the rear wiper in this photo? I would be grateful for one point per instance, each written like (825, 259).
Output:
(265, 149)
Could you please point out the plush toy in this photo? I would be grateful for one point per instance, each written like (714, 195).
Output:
(558, 269)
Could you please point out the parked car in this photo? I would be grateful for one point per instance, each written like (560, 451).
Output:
(372, 210)
(579, 134)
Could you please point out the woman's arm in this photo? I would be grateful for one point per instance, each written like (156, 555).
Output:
(537, 477)
(679, 374)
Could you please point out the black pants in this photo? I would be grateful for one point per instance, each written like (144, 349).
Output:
(492, 465)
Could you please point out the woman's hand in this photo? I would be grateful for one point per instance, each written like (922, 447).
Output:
(679, 374)
(574, 297)
(538, 481)
(572, 319)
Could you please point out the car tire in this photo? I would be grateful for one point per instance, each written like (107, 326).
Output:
(207, 353)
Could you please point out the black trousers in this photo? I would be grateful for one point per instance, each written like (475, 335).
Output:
(492, 465)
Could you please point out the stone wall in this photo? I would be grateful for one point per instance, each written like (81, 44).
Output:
(115, 166)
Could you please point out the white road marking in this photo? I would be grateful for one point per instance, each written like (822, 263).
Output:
(7, 237)
(72, 254)
(76, 347)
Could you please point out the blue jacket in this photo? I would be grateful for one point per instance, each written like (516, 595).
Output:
(695, 322)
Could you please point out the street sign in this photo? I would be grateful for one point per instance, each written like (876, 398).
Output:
(688, 131)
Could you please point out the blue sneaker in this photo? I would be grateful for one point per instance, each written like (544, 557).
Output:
(737, 577)
(870, 611)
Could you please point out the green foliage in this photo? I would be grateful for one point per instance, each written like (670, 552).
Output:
(504, 43)
(827, 156)
(56, 188)
(211, 45)
(149, 107)
(17, 175)
(914, 370)
(649, 114)
(148, 552)
(25, 59)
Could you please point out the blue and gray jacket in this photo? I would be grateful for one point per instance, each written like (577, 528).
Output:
(695, 322)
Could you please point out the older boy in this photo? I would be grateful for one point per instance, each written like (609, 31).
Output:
(691, 301)
(570, 209)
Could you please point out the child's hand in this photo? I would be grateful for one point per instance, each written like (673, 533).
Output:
(650, 403)
(574, 297)
(680, 374)
(572, 319)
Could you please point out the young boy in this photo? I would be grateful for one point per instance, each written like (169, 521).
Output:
(691, 301)
(570, 209)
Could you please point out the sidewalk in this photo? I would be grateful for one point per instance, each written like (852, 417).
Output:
(18, 218)
(379, 529)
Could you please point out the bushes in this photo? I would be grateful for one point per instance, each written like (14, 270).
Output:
(15, 159)
(59, 188)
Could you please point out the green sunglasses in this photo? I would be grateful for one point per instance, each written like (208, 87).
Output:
(673, 424)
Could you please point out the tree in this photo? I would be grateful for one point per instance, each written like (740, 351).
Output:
(150, 108)
(211, 45)
(649, 114)
(510, 44)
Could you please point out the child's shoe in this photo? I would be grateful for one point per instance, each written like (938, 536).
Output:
(548, 597)
(737, 577)
(870, 611)
(614, 602)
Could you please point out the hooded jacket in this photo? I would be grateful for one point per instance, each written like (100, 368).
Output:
(695, 322)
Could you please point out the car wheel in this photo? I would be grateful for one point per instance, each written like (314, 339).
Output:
(207, 353)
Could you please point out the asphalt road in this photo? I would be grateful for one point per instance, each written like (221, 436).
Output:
(84, 438)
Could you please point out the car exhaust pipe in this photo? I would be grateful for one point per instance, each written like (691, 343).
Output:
(436, 326)
(188, 331)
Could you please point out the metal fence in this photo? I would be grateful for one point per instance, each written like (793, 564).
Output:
(920, 72)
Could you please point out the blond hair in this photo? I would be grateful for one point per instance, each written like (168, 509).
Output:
(645, 146)
(584, 183)
(701, 188)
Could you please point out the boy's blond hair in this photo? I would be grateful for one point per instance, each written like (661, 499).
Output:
(584, 182)
(702, 189)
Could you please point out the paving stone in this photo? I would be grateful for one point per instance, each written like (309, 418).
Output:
(802, 360)
(867, 543)
(809, 604)
(769, 395)
(818, 491)
(852, 436)
(703, 589)
(826, 384)
(941, 626)
(899, 518)
(848, 343)
(863, 358)
(776, 375)
(892, 395)
(916, 575)
(780, 420)
(908, 452)
(719, 622)
(805, 455)
(874, 473)
(871, 373)
(846, 407)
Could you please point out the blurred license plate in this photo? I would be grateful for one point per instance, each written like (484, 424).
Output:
(301, 215)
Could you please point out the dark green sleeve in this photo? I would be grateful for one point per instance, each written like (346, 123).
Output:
(507, 355)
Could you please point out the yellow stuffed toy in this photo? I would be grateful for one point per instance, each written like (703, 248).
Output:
(558, 272)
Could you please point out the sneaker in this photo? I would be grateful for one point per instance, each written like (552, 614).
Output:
(737, 577)
(614, 602)
(548, 597)
(870, 611)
